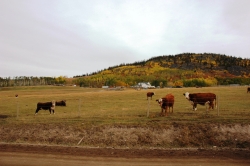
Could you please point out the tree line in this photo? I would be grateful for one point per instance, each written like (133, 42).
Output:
(31, 81)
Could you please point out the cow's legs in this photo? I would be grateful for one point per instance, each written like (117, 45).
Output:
(163, 110)
(37, 111)
(166, 111)
(211, 105)
(195, 106)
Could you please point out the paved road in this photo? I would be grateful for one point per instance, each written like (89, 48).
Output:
(29, 159)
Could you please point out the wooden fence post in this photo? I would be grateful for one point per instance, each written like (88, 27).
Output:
(206, 108)
(217, 102)
(79, 107)
(148, 108)
(17, 107)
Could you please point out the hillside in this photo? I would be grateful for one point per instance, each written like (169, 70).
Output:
(188, 69)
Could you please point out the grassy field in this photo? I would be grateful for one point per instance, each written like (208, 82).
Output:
(91, 106)
(102, 118)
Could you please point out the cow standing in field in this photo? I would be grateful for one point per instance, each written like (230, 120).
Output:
(201, 98)
(61, 103)
(248, 89)
(46, 106)
(166, 103)
(150, 94)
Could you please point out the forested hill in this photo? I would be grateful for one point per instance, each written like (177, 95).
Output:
(206, 62)
(187, 69)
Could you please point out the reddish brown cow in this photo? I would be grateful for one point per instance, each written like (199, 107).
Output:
(201, 98)
(150, 94)
(248, 89)
(166, 103)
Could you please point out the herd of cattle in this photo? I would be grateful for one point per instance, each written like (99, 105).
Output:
(165, 102)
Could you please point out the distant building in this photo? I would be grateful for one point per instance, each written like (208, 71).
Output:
(105, 87)
(145, 85)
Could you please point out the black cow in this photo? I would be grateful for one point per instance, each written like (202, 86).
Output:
(46, 106)
(61, 103)
(248, 89)
(201, 98)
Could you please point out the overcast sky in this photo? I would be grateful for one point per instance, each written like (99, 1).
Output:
(75, 37)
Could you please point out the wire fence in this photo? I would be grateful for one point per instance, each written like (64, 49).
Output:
(225, 106)
(232, 102)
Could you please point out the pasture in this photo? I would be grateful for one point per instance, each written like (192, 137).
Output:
(95, 106)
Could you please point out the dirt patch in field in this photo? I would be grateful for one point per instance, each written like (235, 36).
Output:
(118, 136)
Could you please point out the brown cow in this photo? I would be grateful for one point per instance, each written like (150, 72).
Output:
(201, 98)
(166, 103)
(150, 94)
(248, 89)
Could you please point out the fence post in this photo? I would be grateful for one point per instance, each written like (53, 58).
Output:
(218, 110)
(17, 107)
(79, 107)
(206, 108)
(148, 108)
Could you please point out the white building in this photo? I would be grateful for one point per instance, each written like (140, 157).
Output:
(145, 85)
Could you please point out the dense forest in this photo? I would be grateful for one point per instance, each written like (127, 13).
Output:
(186, 69)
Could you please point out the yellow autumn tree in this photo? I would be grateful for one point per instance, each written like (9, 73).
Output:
(60, 80)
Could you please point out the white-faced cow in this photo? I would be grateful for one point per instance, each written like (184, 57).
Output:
(61, 103)
(166, 103)
(248, 89)
(150, 94)
(46, 106)
(201, 98)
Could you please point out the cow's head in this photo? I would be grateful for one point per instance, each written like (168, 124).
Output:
(159, 101)
(63, 102)
(186, 95)
(53, 103)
